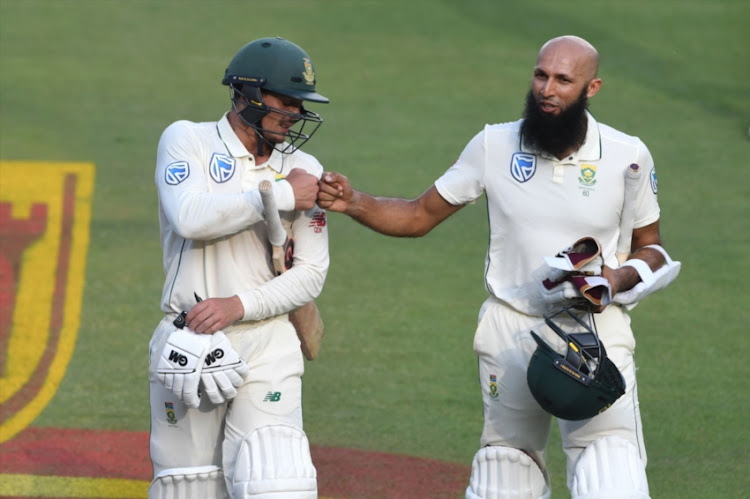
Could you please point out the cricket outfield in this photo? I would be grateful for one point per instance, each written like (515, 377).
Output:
(87, 87)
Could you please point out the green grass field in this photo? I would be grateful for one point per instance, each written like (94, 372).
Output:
(410, 83)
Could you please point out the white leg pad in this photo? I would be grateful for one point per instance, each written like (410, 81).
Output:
(611, 467)
(189, 483)
(505, 473)
(274, 462)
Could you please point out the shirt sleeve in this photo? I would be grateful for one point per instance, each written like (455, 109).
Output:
(647, 204)
(304, 281)
(463, 182)
(193, 211)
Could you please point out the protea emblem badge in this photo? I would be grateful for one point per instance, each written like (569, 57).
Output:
(309, 73)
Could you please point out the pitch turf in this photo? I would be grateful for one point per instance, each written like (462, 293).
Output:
(410, 83)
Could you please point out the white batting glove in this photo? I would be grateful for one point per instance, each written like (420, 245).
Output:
(550, 289)
(181, 362)
(223, 370)
(556, 289)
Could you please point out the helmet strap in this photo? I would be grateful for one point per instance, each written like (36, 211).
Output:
(254, 111)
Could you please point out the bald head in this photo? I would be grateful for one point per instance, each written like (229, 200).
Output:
(580, 55)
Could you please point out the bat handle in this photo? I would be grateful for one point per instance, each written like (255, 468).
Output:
(276, 231)
(627, 216)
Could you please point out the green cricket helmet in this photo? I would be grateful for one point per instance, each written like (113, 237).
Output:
(274, 65)
(579, 384)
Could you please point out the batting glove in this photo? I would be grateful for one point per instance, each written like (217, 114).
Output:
(594, 288)
(181, 362)
(223, 370)
(584, 257)
(556, 289)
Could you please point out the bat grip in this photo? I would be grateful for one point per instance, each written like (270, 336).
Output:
(627, 217)
(276, 231)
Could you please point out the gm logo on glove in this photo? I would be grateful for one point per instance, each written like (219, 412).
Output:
(212, 357)
(177, 358)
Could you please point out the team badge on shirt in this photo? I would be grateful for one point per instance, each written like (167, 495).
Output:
(221, 167)
(522, 166)
(588, 175)
(587, 179)
(177, 172)
(653, 180)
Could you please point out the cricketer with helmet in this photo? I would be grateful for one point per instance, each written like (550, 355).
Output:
(554, 177)
(225, 391)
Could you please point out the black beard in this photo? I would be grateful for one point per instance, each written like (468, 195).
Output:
(555, 135)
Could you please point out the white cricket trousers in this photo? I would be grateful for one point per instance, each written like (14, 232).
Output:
(211, 434)
(513, 418)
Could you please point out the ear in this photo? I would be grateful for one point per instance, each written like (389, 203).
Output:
(593, 87)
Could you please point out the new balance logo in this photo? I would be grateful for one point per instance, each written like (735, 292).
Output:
(318, 221)
(272, 397)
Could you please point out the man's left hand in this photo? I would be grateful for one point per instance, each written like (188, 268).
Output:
(223, 370)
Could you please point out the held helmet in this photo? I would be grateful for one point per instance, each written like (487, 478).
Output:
(279, 66)
(579, 384)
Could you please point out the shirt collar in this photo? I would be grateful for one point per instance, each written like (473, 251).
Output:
(234, 145)
(238, 150)
(591, 150)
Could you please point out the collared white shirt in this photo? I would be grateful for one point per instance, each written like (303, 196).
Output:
(212, 224)
(539, 205)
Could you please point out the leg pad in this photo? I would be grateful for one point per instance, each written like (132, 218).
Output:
(505, 473)
(611, 467)
(189, 483)
(274, 462)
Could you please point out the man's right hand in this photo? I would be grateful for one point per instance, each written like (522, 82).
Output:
(335, 192)
(305, 187)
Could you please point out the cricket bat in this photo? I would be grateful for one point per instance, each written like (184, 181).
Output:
(627, 218)
(306, 319)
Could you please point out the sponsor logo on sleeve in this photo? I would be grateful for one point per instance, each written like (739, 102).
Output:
(318, 221)
(177, 172)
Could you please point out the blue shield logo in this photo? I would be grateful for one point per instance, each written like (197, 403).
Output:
(221, 168)
(653, 180)
(522, 166)
(177, 172)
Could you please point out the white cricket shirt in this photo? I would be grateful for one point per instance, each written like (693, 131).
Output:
(213, 231)
(539, 205)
